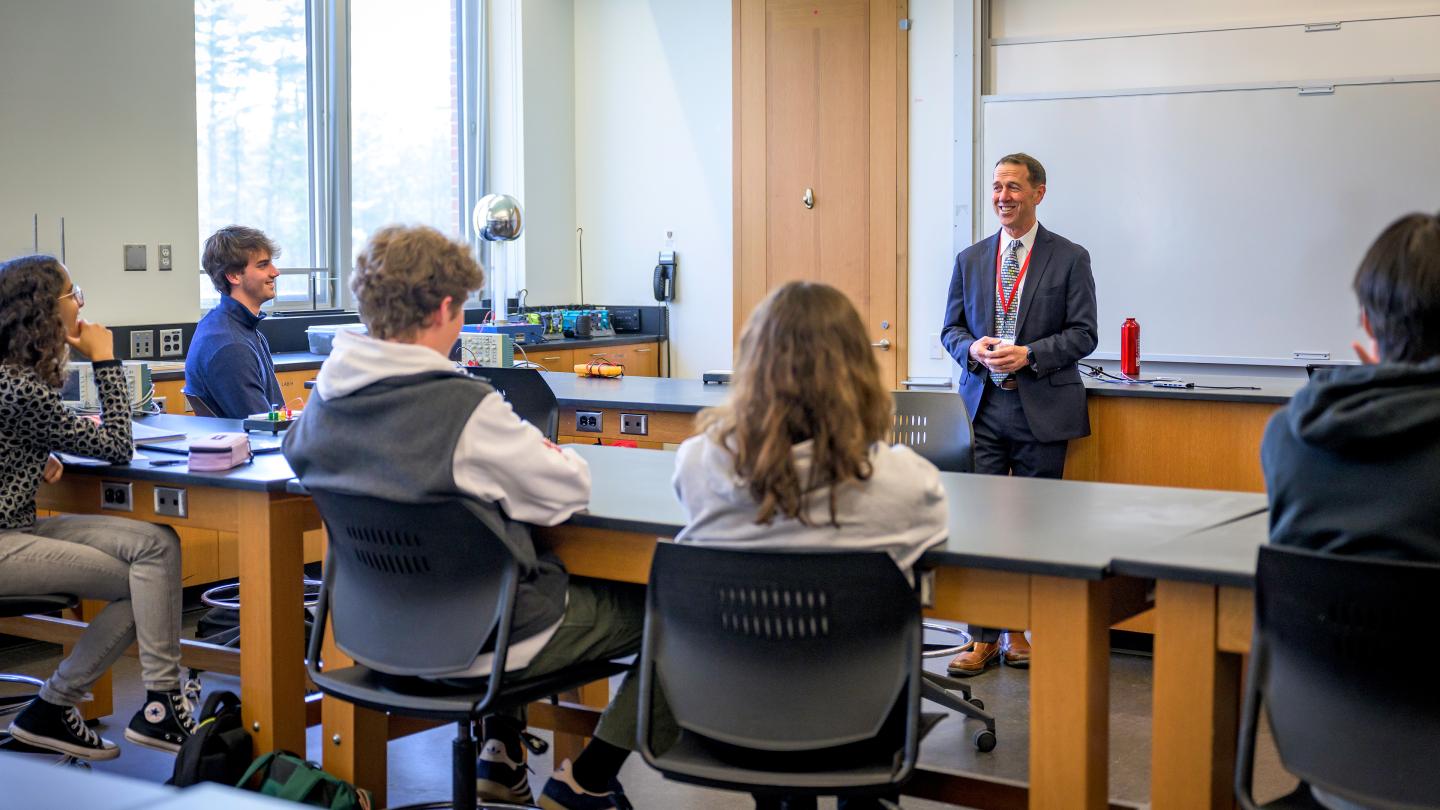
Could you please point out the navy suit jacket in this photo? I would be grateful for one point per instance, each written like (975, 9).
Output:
(1056, 320)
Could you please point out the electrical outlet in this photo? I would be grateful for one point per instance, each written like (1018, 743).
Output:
(588, 421)
(937, 350)
(116, 496)
(142, 343)
(134, 257)
(637, 424)
(162, 257)
(171, 501)
(172, 342)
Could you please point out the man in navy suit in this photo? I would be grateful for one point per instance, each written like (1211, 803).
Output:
(1020, 314)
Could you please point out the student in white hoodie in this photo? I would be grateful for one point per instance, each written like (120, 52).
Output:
(798, 457)
(392, 416)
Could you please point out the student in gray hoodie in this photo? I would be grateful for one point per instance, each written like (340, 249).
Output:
(798, 458)
(1352, 466)
(358, 435)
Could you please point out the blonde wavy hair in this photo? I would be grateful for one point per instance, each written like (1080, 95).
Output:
(805, 372)
(405, 272)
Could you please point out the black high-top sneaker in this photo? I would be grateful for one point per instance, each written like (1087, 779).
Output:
(163, 723)
(500, 776)
(60, 728)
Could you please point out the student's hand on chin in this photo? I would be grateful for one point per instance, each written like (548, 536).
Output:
(92, 340)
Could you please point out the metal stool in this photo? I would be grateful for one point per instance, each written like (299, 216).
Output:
(940, 688)
(10, 705)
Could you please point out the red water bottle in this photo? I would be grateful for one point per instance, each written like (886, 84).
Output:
(1130, 348)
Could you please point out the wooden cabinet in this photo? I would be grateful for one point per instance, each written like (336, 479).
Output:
(639, 359)
(292, 385)
(551, 359)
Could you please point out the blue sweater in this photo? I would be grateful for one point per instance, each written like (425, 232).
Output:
(229, 364)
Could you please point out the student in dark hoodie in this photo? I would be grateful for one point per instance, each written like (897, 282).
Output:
(1352, 466)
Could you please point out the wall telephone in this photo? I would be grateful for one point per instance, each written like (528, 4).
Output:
(665, 276)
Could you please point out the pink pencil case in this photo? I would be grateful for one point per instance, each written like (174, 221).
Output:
(219, 451)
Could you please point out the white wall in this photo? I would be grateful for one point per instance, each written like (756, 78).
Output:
(548, 78)
(942, 78)
(653, 153)
(98, 123)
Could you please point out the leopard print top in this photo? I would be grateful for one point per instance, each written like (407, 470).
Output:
(34, 423)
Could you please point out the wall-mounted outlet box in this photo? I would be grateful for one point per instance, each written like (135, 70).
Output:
(172, 342)
(163, 258)
(142, 344)
(134, 257)
(588, 421)
(116, 496)
(637, 424)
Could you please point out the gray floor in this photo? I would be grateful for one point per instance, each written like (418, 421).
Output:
(419, 765)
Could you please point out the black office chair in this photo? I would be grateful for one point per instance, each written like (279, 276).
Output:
(11, 606)
(198, 405)
(789, 674)
(416, 590)
(527, 392)
(936, 426)
(1345, 720)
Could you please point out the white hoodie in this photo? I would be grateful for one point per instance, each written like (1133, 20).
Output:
(901, 509)
(498, 458)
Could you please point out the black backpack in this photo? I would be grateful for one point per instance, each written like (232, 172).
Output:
(220, 750)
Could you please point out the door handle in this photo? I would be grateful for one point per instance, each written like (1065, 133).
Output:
(808, 198)
(883, 344)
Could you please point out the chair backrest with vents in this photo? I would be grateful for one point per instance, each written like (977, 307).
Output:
(780, 651)
(527, 392)
(1344, 716)
(414, 589)
(935, 425)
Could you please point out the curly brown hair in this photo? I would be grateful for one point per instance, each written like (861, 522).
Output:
(405, 272)
(32, 336)
(805, 371)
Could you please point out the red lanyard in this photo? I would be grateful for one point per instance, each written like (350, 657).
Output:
(1000, 297)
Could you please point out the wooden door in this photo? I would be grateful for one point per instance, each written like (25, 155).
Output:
(820, 158)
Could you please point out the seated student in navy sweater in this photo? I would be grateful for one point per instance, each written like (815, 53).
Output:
(229, 366)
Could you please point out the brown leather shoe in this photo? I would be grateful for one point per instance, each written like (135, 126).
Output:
(1017, 650)
(974, 658)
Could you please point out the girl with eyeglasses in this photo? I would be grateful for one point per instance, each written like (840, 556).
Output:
(132, 565)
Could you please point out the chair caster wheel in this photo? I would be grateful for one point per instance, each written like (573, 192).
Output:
(977, 703)
(985, 740)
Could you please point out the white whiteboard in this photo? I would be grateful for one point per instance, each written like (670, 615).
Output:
(1229, 222)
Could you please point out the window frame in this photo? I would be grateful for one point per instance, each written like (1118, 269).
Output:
(327, 62)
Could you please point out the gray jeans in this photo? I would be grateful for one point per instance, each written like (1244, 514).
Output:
(132, 565)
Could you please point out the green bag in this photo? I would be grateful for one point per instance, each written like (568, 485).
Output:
(286, 776)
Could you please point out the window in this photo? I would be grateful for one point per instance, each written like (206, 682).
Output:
(252, 111)
(319, 122)
(404, 117)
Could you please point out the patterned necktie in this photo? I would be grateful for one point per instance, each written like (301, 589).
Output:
(1005, 319)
